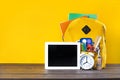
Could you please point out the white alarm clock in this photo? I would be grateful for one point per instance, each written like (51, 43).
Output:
(86, 60)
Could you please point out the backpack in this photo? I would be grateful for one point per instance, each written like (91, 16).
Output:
(84, 27)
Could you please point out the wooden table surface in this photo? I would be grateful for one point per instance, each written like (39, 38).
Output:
(37, 72)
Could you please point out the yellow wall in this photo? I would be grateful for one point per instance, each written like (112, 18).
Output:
(26, 24)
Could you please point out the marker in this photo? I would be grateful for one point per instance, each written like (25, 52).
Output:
(89, 41)
(90, 47)
(84, 44)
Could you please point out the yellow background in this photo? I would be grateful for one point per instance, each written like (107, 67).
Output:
(25, 25)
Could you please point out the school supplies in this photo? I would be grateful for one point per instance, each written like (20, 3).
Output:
(97, 42)
(99, 61)
(86, 44)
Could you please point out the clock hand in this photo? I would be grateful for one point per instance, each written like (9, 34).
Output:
(84, 63)
(86, 58)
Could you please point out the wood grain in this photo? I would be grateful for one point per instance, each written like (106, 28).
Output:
(37, 72)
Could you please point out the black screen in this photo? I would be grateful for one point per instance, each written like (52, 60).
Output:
(62, 55)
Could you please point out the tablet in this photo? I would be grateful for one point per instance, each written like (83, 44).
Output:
(62, 55)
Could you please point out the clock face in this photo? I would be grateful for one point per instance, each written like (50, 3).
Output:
(86, 61)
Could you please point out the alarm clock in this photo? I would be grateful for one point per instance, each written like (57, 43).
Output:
(86, 60)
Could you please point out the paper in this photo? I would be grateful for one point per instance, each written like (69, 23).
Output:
(77, 15)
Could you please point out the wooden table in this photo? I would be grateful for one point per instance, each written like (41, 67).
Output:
(37, 72)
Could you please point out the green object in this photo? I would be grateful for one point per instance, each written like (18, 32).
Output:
(83, 46)
(77, 15)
